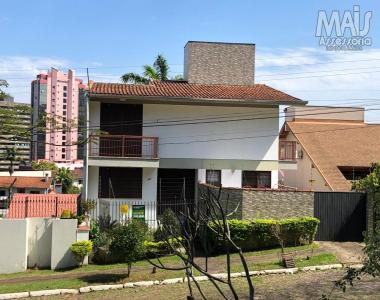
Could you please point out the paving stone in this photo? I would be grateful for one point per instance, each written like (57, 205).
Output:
(172, 281)
(85, 289)
(128, 285)
(104, 287)
(116, 286)
(220, 275)
(44, 293)
(69, 291)
(14, 296)
(143, 283)
(235, 275)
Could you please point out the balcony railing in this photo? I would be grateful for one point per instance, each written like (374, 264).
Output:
(287, 150)
(127, 146)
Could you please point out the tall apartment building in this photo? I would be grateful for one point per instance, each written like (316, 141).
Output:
(22, 145)
(61, 97)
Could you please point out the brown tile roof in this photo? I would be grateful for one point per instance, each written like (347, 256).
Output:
(25, 182)
(183, 89)
(6, 181)
(332, 144)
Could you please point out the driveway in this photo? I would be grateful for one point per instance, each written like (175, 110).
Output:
(346, 252)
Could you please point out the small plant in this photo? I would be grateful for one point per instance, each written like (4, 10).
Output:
(128, 243)
(87, 206)
(168, 220)
(66, 214)
(80, 250)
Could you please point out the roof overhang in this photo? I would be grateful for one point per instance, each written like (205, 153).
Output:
(192, 101)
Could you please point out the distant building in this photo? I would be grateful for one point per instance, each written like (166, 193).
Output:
(22, 145)
(58, 95)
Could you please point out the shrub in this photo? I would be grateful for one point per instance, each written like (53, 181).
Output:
(259, 233)
(87, 206)
(160, 247)
(128, 243)
(80, 250)
(168, 224)
(66, 214)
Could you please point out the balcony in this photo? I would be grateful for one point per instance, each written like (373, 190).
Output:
(123, 151)
(287, 151)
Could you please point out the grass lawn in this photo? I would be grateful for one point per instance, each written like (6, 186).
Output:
(140, 271)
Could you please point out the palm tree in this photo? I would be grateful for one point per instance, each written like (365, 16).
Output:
(11, 155)
(65, 177)
(159, 71)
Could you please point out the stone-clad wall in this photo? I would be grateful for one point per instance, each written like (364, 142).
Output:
(265, 204)
(277, 204)
(219, 63)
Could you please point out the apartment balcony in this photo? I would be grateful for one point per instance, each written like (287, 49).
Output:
(287, 155)
(123, 151)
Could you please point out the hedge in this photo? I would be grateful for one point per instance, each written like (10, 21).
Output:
(259, 233)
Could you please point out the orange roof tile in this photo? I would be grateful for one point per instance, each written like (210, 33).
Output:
(25, 182)
(332, 144)
(183, 89)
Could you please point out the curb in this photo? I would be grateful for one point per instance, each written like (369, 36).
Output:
(106, 287)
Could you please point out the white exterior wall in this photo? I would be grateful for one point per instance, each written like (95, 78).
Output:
(260, 148)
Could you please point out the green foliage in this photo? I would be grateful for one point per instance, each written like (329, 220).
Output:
(169, 226)
(159, 71)
(87, 205)
(3, 83)
(80, 250)
(66, 178)
(128, 243)
(66, 214)
(259, 233)
(161, 247)
(44, 165)
(73, 189)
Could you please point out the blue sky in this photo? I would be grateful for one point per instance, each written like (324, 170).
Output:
(114, 37)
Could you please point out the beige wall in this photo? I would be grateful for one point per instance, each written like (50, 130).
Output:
(324, 112)
(305, 177)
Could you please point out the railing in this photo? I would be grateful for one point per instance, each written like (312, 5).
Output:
(123, 146)
(287, 150)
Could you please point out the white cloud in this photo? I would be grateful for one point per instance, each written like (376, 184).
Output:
(19, 71)
(309, 74)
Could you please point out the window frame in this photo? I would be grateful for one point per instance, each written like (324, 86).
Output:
(219, 172)
(256, 176)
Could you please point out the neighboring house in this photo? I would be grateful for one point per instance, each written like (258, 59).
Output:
(22, 145)
(325, 148)
(59, 95)
(26, 185)
(217, 126)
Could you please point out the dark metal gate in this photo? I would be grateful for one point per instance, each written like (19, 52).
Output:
(342, 214)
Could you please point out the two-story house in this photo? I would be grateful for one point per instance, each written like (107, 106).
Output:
(326, 148)
(216, 126)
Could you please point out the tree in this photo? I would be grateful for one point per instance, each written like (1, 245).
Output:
(66, 178)
(159, 71)
(200, 227)
(371, 264)
(44, 165)
(3, 83)
(11, 155)
(128, 242)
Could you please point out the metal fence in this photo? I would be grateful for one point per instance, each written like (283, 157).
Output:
(128, 209)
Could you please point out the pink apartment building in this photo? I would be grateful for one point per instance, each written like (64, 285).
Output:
(59, 95)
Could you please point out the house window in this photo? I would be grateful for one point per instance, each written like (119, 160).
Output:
(22, 191)
(120, 183)
(354, 173)
(65, 88)
(214, 177)
(256, 179)
(63, 156)
(2, 193)
(34, 192)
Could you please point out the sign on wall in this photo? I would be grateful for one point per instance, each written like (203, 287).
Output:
(138, 212)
